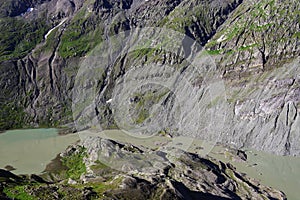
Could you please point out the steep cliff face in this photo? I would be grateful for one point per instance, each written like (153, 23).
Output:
(254, 45)
(44, 78)
(258, 52)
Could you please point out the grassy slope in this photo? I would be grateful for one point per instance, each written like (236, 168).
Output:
(18, 36)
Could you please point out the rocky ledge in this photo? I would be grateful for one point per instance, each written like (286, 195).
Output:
(100, 168)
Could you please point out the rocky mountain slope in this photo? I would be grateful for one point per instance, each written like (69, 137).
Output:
(159, 174)
(253, 45)
(258, 52)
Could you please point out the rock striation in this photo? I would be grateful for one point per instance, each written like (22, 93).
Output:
(254, 45)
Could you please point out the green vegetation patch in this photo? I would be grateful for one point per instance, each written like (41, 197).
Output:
(214, 52)
(180, 18)
(18, 37)
(18, 192)
(144, 101)
(74, 163)
(11, 116)
(81, 36)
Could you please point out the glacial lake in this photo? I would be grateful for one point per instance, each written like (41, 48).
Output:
(30, 150)
(279, 172)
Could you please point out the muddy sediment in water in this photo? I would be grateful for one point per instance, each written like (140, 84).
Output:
(30, 150)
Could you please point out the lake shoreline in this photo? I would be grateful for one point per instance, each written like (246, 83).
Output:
(30, 150)
(61, 130)
(280, 172)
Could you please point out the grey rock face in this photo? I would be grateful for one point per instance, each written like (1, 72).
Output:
(40, 84)
(14, 8)
(266, 117)
(260, 66)
(254, 45)
(180, 175)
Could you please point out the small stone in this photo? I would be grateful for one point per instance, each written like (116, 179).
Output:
(72, 182)
(9, 168)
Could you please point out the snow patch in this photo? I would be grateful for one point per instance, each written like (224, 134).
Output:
(29, 10)
(46, 36)
(222, 38)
